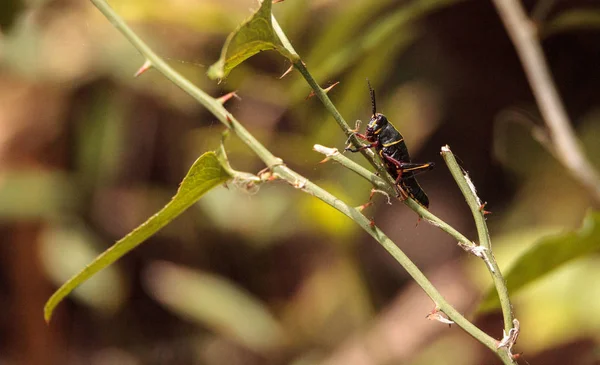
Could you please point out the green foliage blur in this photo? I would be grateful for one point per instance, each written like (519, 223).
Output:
(274, 276)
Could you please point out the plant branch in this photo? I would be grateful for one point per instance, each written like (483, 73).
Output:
(334, 154)
(369, 155)
(309, 187)
(296, 180)
(468, 190)
(523, 34)
(210, 103)
(322, 96)
(381, 184)
(461, 179)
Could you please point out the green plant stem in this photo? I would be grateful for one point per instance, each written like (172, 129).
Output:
(210, 103)
(296, 180)
(426, 214)
(334, 154)
(350, 133)
(381, 184)
(322, 96)
(300, 182)
(468, 190)
(369, 155)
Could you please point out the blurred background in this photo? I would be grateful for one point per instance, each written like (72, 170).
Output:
(88, 152)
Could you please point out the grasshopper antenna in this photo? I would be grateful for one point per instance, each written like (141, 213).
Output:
(373, 105)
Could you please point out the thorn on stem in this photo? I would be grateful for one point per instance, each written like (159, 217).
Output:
(326, 90)
(360, 208)
(331, 87)
(437, 315)
(145, 67)
(223, 99)
(288, 71)
(482, 209)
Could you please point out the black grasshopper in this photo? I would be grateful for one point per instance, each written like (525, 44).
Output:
(390, 146)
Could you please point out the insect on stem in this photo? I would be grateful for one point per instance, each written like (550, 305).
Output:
(391, 148)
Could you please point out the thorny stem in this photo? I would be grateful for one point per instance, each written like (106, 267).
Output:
(417, 208)
(381, 184)
(569, 153)
(478, 213)
(334, 154)
(296, 180)
(369, 155)
(468, 190)
(322, 96)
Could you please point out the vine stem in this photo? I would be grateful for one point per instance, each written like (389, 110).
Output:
(296, 180)
(477, 209)
(569, 153)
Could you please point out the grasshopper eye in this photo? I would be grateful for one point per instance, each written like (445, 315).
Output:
(373, 123)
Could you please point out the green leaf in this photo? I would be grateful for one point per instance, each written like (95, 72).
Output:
(254, 35)
(205, 174)
(547, 255)
(216, 303)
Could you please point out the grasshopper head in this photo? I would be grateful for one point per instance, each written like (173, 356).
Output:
(376, 124)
